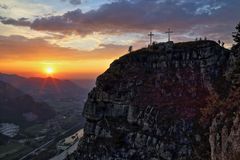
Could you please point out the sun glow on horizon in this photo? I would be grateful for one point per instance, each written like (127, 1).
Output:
(62, 69)
(49, 70)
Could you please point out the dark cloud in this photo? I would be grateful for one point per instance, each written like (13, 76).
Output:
(3, 6)
(123, 16)
(141, 15)
(74, 2)
(18, 22)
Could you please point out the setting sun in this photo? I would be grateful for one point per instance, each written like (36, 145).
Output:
(49, 70)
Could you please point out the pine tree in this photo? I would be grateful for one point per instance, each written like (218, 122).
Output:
(236, 36)
(235, 74)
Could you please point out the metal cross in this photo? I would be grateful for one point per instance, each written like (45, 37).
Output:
(169, 34)
(150, 35)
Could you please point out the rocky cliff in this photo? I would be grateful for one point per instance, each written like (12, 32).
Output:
(224, 136)
(148, 105)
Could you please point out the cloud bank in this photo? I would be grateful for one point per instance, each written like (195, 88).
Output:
(74, 2)
(139, 16)
(40, 49)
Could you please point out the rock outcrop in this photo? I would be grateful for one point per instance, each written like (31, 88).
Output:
(224, 134)
(147, 105)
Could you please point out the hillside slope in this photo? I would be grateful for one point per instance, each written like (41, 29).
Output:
(20, 108)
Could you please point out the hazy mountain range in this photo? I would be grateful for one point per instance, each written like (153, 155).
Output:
(45, 89)
(38, 99)
(18, 107)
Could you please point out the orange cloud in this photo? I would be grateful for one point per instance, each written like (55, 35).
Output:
(31, 56)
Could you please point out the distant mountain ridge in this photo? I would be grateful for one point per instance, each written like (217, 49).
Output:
(17, 107)
(87, 84)
(43, 89)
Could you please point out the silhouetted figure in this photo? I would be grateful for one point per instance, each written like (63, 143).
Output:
(205, 38)
(154, 43)
(200, 39)
(196, 39)
(223, 44)
(219, 42)
(130, 49)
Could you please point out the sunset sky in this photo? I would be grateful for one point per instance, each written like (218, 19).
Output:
(80, 38)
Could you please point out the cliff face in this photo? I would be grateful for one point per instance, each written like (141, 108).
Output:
(147, 105)
(224, 134)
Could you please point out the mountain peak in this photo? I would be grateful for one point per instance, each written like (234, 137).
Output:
(153, 96)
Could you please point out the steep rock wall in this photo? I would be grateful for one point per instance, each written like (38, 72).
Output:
(147, 104)
(224, 134)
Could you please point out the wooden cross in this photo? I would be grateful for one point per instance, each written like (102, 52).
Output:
(169, 34)
(150, 35)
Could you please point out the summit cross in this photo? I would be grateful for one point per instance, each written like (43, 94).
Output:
(151, 36)
(169, 34)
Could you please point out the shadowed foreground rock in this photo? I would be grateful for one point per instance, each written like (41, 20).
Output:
(148, 104)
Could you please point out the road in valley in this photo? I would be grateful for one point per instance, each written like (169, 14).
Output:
(48, 143)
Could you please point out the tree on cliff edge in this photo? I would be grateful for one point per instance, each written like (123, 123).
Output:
(236, 38)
